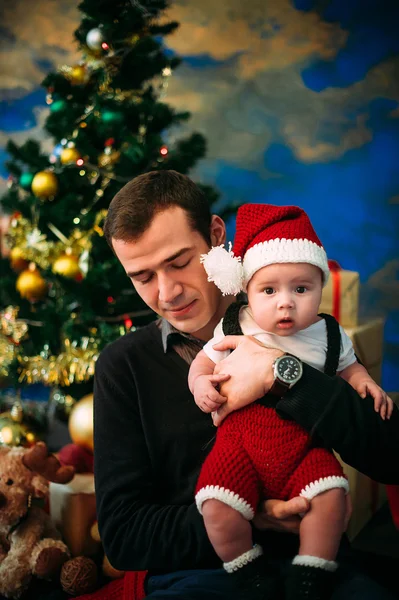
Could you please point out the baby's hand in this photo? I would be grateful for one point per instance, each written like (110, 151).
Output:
(382, 402)
(206, 394)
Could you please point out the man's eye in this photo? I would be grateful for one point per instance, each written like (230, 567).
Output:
(301, 289)
(183, 265)
(144, 281)
(268, 291)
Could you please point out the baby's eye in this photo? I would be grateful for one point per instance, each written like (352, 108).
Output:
(268, 291)
(300, 289)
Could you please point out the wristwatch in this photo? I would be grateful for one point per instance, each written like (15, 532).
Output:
(287, 371)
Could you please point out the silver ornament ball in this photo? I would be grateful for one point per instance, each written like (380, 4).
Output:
(94, 39)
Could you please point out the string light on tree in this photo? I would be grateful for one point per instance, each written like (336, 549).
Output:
(128, 324)
(163, 151)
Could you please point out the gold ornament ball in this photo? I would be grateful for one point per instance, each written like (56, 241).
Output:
(80, 423)
(17, 261)
(45, 184)
(31, 285)
(67, 265)
(69, 155)
(78, 75)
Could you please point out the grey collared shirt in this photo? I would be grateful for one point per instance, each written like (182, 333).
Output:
(186, 345)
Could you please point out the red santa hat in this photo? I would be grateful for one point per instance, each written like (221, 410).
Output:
(265, 235)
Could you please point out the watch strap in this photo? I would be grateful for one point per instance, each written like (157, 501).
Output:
(279, 388)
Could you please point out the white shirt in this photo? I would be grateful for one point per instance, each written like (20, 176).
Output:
(309, 345)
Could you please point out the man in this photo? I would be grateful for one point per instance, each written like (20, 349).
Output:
(150, 438)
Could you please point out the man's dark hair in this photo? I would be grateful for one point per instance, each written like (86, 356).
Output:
(133, 208)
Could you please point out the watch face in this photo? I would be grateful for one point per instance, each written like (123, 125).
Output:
(289, 369)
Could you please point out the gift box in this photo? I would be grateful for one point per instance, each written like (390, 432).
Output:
(367, 340)
(367, 497)
(340, 296)
(72, 507)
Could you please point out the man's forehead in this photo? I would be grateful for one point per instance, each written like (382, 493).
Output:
(164, 240)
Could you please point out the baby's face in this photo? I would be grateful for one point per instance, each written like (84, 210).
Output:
(284, 298)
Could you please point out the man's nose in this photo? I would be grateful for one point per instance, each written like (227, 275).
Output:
(168, 289)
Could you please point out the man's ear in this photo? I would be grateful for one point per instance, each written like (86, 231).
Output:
(218, 231)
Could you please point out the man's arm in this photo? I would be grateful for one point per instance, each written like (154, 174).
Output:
(332, 409)
(323, 405)
(138, 530)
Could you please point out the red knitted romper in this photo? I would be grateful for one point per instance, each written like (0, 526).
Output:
(258, 455)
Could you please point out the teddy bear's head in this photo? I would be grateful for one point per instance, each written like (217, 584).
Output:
(18, 486)
(24, 476)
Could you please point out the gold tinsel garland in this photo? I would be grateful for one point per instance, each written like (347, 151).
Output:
(12, 331)
(35, 247)
(75, 364)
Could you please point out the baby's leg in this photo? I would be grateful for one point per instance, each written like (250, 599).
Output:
(229, 532)
(312, 574)
(321, 528)
(227, 495)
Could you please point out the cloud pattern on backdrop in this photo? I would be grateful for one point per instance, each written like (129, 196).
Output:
(299, 105)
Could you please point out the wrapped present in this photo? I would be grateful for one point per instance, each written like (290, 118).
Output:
(367, 340)
(73, 509)
(340, 296)
(367, 497)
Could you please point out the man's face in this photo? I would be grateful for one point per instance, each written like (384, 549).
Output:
(164, 267)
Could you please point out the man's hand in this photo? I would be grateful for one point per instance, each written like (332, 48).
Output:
(281, 515)
(250, 370)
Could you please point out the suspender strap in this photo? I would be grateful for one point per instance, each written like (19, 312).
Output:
(333, 344)
(231, 324)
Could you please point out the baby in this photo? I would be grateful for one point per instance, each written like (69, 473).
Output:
(256, 454)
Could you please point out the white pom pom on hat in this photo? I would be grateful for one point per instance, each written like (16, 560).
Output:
(224, 269)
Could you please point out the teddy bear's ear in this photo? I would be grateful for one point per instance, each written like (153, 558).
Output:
(47, 465)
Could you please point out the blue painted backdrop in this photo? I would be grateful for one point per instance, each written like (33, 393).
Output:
(299, 101)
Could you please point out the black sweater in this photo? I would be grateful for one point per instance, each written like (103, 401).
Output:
(151, 439)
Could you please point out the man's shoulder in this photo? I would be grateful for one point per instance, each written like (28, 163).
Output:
(129, 344)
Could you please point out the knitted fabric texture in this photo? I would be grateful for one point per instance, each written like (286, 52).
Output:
(265, 235)
(129, 587)
(309, 583)
(258, 455)
(240, 469)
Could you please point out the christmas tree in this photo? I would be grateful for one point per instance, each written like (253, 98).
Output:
(109, 123)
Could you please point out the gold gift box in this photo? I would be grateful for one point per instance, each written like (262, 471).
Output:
(367, 495)
(367, 340)
(73, 510)
(349, 298)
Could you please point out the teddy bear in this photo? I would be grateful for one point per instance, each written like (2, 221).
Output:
(30, 545)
